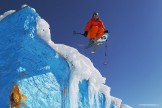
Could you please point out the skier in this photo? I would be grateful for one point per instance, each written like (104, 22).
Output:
(94, 29)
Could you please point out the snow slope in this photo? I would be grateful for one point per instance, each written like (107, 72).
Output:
(50, 75)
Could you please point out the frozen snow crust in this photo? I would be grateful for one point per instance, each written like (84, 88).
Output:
(50, 75)
(6, 14)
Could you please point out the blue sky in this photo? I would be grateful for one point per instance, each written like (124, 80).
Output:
(134, 52)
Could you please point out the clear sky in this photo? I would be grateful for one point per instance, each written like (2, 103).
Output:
(134, 70)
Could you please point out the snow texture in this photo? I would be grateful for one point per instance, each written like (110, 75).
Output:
(116, 102)
(49, 74)
(43, 29)
(24, 5)
(6, 14)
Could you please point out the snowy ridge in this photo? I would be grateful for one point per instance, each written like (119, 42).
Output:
(25, 5)
(6, 14)
(116, 101)
(82, 69)
(43, 29)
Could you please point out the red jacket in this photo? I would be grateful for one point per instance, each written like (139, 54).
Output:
(93, 22)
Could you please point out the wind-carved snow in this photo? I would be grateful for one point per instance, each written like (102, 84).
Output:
(116, 102)
(106, 91)
(25, 5)
(82, 69)
(43, 29)
(6, 14)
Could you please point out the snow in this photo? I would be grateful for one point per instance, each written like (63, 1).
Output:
(82, 69)
(106, 90)
(24, 5)
(6, 14)
(43, 29)
(116, 101)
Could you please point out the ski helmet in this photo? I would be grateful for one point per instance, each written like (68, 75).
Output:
(95, 14)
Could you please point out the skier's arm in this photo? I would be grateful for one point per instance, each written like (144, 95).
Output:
(88, 26)
(102, 25)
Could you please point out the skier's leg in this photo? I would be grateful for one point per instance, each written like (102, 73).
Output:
(91, 43)
(96, 45)
(92, 33)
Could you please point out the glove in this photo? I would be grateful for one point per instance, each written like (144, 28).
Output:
(106, 31)
(85, 33)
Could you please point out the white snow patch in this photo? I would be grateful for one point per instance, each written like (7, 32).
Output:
(116, 101)
(43, 29)
(106, 91)
(33, 9)
(24, 5)
(6, 14)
